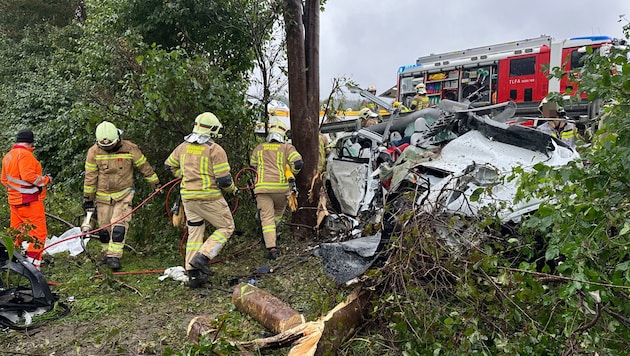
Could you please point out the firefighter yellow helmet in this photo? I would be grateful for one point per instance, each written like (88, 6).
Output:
(107, 135)
(366, 113)
(277, 131)
(421, 88)
(207, 124)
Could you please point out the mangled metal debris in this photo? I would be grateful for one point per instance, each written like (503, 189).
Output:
(454, 159)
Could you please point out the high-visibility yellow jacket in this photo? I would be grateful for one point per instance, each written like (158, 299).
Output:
(419, 102)
(200, 166)
(109, 175)
(22, 175)
(269, 159)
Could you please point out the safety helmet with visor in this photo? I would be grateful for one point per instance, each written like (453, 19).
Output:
(421, 89)
(366, 113)
(107, 135)
(207, 124)
(277, 131)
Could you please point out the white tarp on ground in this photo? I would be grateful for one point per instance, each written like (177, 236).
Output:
(74, 245)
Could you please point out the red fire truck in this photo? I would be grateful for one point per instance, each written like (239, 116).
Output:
(497, 73)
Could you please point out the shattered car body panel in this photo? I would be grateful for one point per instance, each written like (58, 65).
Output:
(478, 154)
(474, 161)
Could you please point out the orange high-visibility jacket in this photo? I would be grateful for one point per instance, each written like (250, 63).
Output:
(22, 175)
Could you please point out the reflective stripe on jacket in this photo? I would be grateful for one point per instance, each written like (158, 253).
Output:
(22, 175)
(109, 175)
(566, 134)
(419, 102)
(270, 159)
(199, 166)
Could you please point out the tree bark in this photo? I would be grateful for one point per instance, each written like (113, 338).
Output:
(302, 33)
(271, 312)
(322, 336)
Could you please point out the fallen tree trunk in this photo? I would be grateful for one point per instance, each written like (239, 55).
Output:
(323, 336)
(271, 312)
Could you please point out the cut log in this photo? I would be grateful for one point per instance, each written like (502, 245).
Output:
(323, 336)
(271, 312)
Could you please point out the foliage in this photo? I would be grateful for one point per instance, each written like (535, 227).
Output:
(559, 284)
(585, 227)
(16, 15)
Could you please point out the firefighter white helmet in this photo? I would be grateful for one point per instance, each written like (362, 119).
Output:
(207, 124)
(421, 89)
(277, 131)
(107, 135)
(372, 88)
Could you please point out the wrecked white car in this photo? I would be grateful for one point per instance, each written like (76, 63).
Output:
(455, 161)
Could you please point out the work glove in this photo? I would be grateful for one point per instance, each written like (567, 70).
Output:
(49, 178)
(235, 191)
(88, 204)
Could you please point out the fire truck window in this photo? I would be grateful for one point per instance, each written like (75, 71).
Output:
(513, 94)
(577, 60)
(522, 66)
(527, 94)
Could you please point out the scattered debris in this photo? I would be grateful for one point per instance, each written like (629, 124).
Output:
(177, 273)
(451, 159)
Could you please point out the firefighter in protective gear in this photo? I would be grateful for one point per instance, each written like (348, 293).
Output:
(420, 100)
(368, 117)
(203, 166)
(26, 185)
(400, 106)
(272, 187)
(108, 187)
(369, 104)
(559, 127)
(324, 151)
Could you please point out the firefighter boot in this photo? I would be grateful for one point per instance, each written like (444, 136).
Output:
(113, 263)
(102, 261)
(201, 262)
(273, 253)
(196, 278)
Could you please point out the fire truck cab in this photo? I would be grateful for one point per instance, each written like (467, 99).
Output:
(512, 71)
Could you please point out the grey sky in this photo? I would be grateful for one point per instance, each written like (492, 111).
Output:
(368, 40)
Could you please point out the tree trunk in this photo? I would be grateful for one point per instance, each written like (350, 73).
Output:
(302, 33)
(271, 312)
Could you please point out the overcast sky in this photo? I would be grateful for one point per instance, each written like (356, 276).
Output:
(368, 40)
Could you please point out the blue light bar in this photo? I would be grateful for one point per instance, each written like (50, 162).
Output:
(403, 68)
(592, 38)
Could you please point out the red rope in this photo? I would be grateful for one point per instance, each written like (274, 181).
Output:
(121, 218)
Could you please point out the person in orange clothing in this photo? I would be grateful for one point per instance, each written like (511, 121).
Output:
(26, 185)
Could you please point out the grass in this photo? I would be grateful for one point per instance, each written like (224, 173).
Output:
(136, 314)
